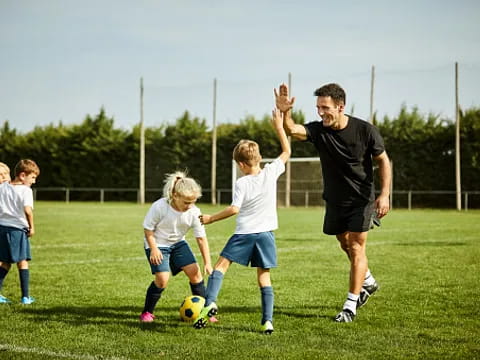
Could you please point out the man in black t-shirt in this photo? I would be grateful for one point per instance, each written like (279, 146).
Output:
(347, 147)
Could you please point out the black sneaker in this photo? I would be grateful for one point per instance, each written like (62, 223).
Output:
(345, 315)
(365, 293)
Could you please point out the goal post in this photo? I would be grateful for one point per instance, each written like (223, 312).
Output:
(306, 184)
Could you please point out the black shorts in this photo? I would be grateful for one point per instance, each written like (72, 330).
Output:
(339, 219)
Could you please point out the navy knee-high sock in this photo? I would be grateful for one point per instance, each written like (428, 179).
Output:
(153, 295)
(198, 289)
(213, 287)
(267, 303)
(3, 275)
(24, 281)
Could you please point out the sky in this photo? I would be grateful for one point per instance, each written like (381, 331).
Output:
(61, 60)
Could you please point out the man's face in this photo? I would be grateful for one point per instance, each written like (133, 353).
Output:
(329, 111)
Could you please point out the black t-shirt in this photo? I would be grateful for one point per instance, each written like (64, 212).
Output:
(346, 157)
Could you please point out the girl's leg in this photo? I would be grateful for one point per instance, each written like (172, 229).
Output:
(266, 290)
(197, 285)
(154, 291)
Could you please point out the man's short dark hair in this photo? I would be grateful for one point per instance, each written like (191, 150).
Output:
(333, 90)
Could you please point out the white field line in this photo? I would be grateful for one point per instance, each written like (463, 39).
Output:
(64, 355)
(90, 261)
(81, 245)
(143, 258)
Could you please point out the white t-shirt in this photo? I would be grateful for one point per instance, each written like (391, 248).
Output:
(256, 197)
(13, 199)
(169, 225)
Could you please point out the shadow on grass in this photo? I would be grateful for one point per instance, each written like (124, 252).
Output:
(306, 312)
(165, 321)
(101, 315)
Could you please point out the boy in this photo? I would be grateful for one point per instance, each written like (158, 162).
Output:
(16, 225)
(253, 242)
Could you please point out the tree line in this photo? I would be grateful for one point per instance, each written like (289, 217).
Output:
(96, 154)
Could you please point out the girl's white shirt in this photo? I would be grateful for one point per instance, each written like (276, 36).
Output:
(13, 200)
(169, 225)
(256, 197)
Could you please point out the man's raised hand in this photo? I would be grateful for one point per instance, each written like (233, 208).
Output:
(282, 102)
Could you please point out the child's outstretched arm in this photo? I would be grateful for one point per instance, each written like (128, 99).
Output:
(225, 213)
(277, 122)
(205, 251)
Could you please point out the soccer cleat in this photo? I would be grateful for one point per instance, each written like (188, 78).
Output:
(146, 317)
(365, 293)
(203, 318)
(27, 300)
(213, 319)
(345, 315)
(4, 300)
(267, 327)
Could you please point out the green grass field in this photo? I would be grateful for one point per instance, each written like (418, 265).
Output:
(89, 276)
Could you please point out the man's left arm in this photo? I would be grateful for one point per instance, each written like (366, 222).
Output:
(382, 203)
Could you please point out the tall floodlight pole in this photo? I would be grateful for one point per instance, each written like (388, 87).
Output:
(214, 145)
(372, 85)
(457, 144)
(288, 169)
(141, 194)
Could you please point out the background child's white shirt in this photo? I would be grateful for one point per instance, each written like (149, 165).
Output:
(256, 197)
(169, 225)
(13, 199)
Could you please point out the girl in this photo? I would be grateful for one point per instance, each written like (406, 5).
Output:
(165, 226)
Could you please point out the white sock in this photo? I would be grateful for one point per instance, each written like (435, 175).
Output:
(369, 279)
(351, 302)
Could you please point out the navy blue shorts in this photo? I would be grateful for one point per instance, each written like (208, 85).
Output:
(339, 219)
(258, 250)
(175, 258)
(14, 245)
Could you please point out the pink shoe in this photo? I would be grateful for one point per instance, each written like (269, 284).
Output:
(213, 319)
(147, 317)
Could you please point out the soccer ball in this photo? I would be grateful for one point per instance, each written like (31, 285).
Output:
(191, 307)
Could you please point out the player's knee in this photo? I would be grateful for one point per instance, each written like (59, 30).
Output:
(161, 281)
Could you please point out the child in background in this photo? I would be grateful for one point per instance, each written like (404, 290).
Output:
(4, 173)
(165, 226)
(255, 202)
(17, 226)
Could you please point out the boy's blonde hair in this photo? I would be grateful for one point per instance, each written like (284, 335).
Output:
(178, 183)
(4, 172)
(27, 166)
(247, 152)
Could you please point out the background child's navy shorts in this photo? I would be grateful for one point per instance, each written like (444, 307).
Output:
(175, 258)
(257, 249)
(14, 245)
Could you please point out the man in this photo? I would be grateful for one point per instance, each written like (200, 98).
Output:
(346, 146)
